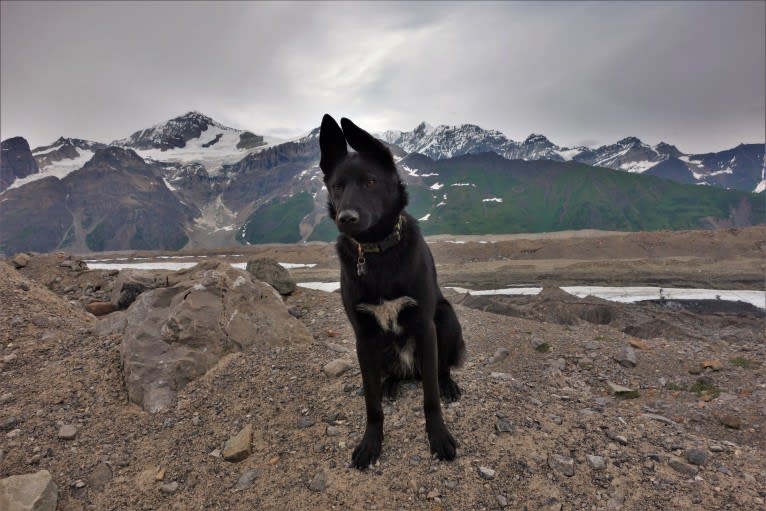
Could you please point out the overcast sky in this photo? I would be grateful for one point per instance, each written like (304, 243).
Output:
(689, 73)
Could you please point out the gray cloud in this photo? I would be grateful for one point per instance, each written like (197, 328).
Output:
(690, 73)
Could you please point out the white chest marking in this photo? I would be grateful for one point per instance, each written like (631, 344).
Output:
(387, 313)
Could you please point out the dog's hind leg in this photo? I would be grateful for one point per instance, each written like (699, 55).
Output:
(451, 349)
(442, 443)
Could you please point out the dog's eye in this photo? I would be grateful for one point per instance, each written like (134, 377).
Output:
(369, 183)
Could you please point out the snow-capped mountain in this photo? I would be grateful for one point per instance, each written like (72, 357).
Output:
(60, 158)
(743, 164)
(194, 138)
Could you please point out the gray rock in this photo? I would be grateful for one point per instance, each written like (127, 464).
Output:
(319, 481)
(271, 272)
(337, 348)
(500, 376)
(503, 426)
(487, 473)
(239, 447)
(246, 479)
(175, 334)
(28, 492)
(500, 355)
(8, 423)
(99, 476)
(561, 464)
(697, 456)
(682, 467)
(332, 431)
(305, 422)
(169, 488)
(67, 432)
(501, 500)
(626, 357)
(337, 367)
(595, 462)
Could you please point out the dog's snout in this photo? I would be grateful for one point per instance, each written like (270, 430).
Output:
(348, 216)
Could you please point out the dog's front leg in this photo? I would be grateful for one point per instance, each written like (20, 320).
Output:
(368, 450)
(441, 441)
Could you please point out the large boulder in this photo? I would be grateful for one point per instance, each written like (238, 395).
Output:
(272, 273)
(28, 492)
(175, 334)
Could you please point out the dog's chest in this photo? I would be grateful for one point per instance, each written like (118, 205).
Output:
(387, 312)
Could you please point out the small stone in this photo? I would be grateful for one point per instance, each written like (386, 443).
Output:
(337, 367)
(730, 421)
(500, 355)
(595, 462)
(697, 456)
(11, 357)
(450, 483)
(433, 494)
(559, 364)
(14, 433)
(487, 473)
(622, 391)
(67, 432)
(100, 308)
(500, 376)
(246, 479)
(8, 423)
(639, 344)
(626, 357)
(682, 467)
(100, 475)
(238, 447)
(319, 481)
(332, 431)
(305, 422)
(169, 488)
(503, 426)
(713, 364)
(501, 500)
(20, 260)
(337, 348)
(35, 492)
(561, 464)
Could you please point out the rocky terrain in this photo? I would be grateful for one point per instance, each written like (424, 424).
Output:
(563, 407)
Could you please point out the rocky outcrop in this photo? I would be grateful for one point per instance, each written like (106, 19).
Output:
(16, 161)
(175, 334)
(271, 272)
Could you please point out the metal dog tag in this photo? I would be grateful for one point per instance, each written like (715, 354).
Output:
(361, 266)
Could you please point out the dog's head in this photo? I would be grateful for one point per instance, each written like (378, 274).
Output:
(365, 193)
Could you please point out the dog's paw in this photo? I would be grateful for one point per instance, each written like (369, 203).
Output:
(391, 388)
(449, 390)
(366, 453)
(443, 444)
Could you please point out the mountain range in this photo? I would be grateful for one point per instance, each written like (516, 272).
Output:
(194, 182)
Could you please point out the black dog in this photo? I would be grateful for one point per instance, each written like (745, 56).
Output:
(404, 327)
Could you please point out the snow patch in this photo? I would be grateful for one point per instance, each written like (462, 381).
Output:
(493, 199)
(436, 186)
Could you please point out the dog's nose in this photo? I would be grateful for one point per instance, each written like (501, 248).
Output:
(348, 216)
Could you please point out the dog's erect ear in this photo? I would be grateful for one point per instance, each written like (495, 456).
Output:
(365, 143)
(332, 143)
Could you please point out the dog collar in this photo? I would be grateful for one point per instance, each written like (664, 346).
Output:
(378, 247)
